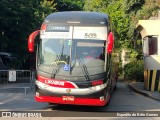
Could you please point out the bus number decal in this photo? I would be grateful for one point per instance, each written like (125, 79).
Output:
(90, 35)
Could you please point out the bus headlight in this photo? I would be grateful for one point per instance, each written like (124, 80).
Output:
(99, 87)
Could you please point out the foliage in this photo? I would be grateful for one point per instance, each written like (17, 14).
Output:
(96, 5)
(134, 70)
(18, 19)
(120, 22)
(135, 54)
(69, 5)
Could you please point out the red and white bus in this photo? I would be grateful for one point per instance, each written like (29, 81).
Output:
(74, 59)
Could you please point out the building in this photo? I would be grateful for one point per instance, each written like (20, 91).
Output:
(150, 33)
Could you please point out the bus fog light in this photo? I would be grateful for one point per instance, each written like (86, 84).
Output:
(37, 94)
(101, 98)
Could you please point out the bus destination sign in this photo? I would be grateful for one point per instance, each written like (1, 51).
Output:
(51, 28)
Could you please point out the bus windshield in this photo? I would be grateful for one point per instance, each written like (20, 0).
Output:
(54, 50)
(66, 51)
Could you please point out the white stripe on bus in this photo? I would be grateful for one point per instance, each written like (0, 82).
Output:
(80, 91)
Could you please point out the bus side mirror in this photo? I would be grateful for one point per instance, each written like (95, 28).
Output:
(110, 42)
(31, 40)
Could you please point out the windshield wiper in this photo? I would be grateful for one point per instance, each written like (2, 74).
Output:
(83, 67)
(56, 66)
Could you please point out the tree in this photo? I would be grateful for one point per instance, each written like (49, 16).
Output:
(96, 5)
(18, 19)
(69, 5)
(119, 21)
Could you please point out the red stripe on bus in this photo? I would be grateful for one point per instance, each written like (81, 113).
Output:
(77, 101)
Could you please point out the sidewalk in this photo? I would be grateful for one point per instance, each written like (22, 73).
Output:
(139, 88)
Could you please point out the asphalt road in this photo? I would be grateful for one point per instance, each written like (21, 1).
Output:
(123, 101)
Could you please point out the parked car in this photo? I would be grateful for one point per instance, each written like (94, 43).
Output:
(2, 66)
(9, 61)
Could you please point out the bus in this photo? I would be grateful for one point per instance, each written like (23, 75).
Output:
(74, 62)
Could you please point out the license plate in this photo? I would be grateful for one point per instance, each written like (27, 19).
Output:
(68, 98)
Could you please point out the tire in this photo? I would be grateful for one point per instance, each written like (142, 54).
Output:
(109, 95)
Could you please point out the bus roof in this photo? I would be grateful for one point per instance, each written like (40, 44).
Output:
(77, 18)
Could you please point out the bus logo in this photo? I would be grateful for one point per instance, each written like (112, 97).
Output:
(68, 90)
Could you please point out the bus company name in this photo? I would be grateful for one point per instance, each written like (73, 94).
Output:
(60, 35)
(55, 35)
(53, 82)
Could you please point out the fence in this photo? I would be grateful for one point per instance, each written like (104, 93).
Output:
(16, 80)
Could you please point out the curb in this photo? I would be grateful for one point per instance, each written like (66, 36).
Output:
(141, 92)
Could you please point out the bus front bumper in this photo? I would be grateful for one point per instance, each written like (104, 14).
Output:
(72, 100)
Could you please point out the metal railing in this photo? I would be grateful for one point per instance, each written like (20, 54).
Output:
(14, 80)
